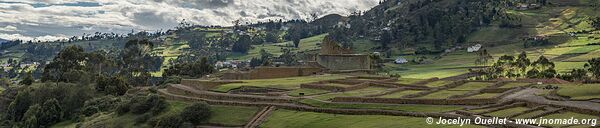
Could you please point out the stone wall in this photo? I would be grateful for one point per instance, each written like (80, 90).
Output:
(330, 47)
(272, 72)
(479, 101)
(345, 62)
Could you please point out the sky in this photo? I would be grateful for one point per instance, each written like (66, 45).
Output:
(56, 19)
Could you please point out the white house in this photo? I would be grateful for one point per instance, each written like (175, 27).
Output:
(400, 60)
(474, 48)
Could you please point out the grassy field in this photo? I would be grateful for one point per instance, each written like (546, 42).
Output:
(306, 91)
(443, 94)
(232, 115)
(453, 64)
(507, 112)
(411, 108)
(295, 119)
(359, 92)
(408, 80)
(512, 85)
(283, 83)
(580, 92)
(471, 86)
(401, 93)
(585, 57)
(168, 52)
(529, 114)
(307, 44)
(438, 83)
(485, 95)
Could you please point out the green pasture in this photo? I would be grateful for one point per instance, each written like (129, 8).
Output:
(282, 83)
(295, 119)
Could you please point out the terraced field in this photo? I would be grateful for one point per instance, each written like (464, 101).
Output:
(358, 93)
(401, 93)
(580, 92)
(282, 83)
(294, 119)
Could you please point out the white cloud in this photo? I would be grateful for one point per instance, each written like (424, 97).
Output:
(9, 28)
(27, 38)
(56, 17)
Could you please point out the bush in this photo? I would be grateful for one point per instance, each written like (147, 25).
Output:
(101, 104)
(152, 103)
(112, 85)
(142, 119)
(172, 80)
(123, 108)
(196, 113)
(170, 121)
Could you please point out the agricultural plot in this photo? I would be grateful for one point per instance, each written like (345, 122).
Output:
(470, 86)
(507, 112)
(281, 83)
(232, 115)
(444, 94)
(585, 57)
(411, 108)
(438, 83)
(306, 92)
(295, 119)
(306, 44)
(408, 80)
(484, 95)
(400, 94)
(359, 92)
(529, 114)
(514, 84)
(580, 92)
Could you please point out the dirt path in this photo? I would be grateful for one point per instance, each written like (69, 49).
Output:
(260, 117)
(529, 95)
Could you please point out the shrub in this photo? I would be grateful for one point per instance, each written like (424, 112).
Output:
(152, 103)
(142, 119)
(170, 121)
(196, 113)
(112, 85)
(123, 108)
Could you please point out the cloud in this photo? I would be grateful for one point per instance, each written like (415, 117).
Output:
(38, 18)
(28, 38)
(9, 28)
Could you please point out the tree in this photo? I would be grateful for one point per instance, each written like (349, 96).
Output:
(134, 61)
(52, 113)
(30, 117)
(70, 59)
(111, 85)
(596, 23)
(28, 80)
(196, 113)
(483, 57)
(542, 68)
(593, 66)
(243, 44)
(523, 62)
(191, 69)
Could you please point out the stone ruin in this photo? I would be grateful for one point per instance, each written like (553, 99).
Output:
(332, 57)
